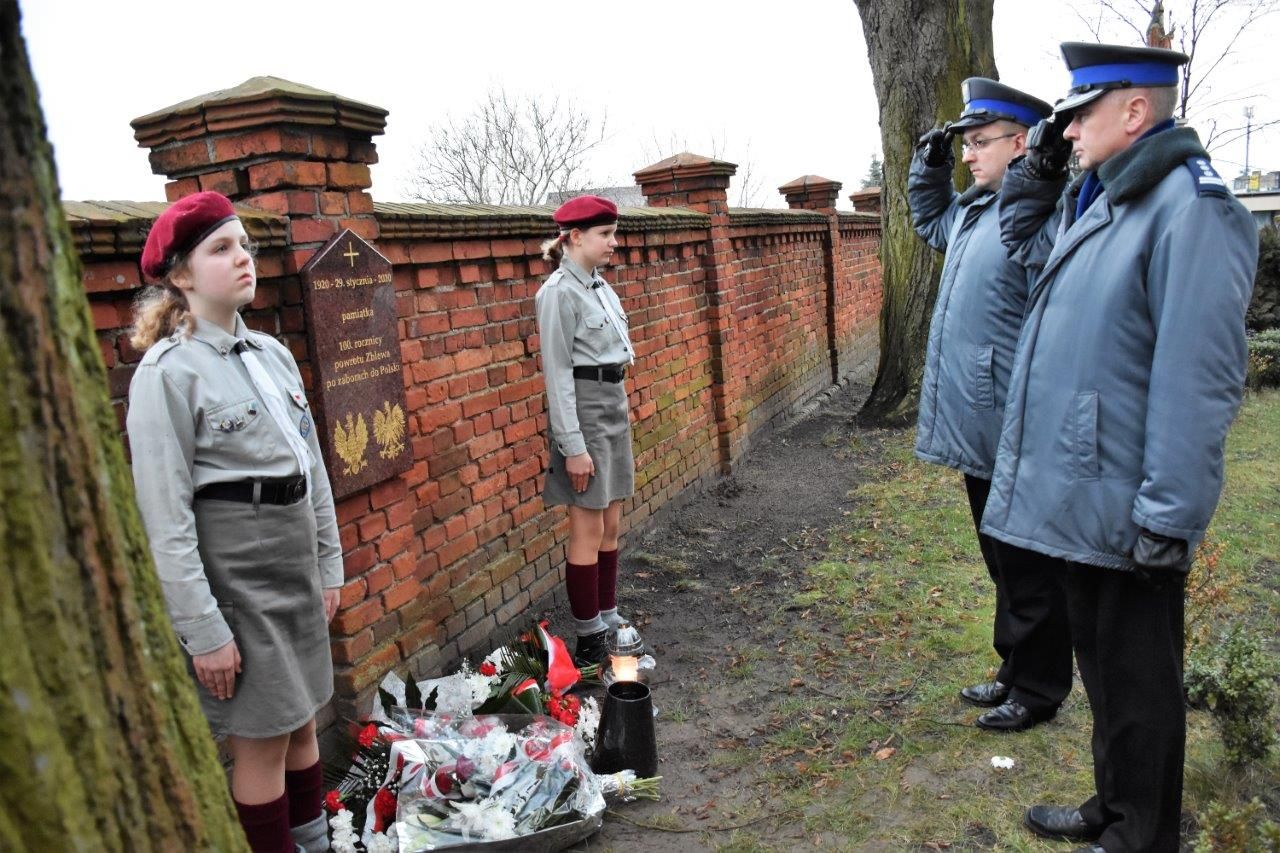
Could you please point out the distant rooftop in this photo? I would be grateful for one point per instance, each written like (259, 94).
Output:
(629, 196)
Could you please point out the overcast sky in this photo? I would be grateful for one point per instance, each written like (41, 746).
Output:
(785, 87)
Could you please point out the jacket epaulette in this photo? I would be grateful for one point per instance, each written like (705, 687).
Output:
(1206, 180)
(157, 350)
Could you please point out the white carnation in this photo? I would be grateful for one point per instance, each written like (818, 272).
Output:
(498, 657)
(344, 836)
(588, 722)
(379, 843)
(485, 818)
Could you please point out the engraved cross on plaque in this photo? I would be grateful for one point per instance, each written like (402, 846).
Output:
(351, 254)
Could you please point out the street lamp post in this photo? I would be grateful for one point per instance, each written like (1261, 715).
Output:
(1248, 131)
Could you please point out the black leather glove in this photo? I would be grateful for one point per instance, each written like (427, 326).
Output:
(1047, 152)
(1160, 559)
(936, 145)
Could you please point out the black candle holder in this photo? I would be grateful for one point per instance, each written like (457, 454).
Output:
(626, 738)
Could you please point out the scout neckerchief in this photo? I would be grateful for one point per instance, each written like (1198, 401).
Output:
(275, 403)
(597, 285)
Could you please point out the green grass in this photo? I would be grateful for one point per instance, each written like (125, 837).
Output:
(874, 745)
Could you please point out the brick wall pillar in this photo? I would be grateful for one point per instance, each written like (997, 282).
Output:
(702, 184)
(304, 154)
(811, 192)
(275, 145)
(868, 200)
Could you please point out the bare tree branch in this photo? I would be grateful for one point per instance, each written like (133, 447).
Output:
(1094, 26)
(510, 150)
(748, 181)
(1219, 138)
(1198, 26)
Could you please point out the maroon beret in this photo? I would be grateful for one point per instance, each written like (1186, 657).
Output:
(181, 228)
(585, 211)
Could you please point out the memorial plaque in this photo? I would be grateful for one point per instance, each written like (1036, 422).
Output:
(354, 344)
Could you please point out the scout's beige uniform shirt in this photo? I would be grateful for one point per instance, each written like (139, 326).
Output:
(196, 418)
(580, 324)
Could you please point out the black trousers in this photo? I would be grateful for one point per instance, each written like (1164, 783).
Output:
(1031, 632)
(1128, 640)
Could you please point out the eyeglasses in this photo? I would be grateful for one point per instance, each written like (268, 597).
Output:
(979, 144)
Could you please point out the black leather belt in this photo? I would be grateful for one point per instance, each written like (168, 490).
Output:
(604, 373)
(283, 491)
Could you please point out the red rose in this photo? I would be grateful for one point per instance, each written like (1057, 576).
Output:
(488, 668)
(384, 810)
(367, 735)
(536, 751)
(444, 777)
(333, 801)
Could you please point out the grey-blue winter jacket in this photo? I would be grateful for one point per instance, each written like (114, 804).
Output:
(982, 295)
(1132, 358)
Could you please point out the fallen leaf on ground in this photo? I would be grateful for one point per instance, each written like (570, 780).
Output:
(884, 754)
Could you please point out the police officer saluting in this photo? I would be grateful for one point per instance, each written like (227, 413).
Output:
(1128, 373)
(974, 331)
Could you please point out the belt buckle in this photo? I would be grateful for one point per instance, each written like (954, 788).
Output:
(297, 490)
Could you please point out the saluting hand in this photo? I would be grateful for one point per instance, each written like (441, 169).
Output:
(937, 148)
(581, 469)
(1048, 153)
(217, 670)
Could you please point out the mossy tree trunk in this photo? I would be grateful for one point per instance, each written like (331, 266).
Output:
(102, 743)
(920, 51)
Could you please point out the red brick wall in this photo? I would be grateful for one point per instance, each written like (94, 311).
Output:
(460, 547)
(779, 311)
(858, 292)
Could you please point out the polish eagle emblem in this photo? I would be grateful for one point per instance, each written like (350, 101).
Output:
(388, 430)
(350, 441)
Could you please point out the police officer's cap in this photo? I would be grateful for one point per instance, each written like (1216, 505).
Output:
(1099, 68)
(986, 101)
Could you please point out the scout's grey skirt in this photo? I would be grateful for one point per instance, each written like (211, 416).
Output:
(605, 420)
(261, 566)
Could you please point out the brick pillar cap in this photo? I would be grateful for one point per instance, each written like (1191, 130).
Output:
(810, 183)
(865, 195)
(257, 102)
(686, 165)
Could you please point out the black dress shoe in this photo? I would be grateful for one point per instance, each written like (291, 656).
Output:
(1061, 823)
(591, 648)
(989, 694)
(1010, 717)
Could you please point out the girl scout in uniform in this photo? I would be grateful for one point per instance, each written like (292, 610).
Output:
(585, 352)
(238, 509)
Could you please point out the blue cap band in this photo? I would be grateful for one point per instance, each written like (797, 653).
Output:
(1134, 73)
(1021, 114)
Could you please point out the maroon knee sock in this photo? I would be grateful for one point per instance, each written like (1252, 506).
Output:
(266, 825)
(608, 579)
(584, 595)
(305, 790)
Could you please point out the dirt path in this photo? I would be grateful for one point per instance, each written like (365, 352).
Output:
(711, 587)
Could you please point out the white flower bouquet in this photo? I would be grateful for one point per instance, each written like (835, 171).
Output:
(468, 780)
